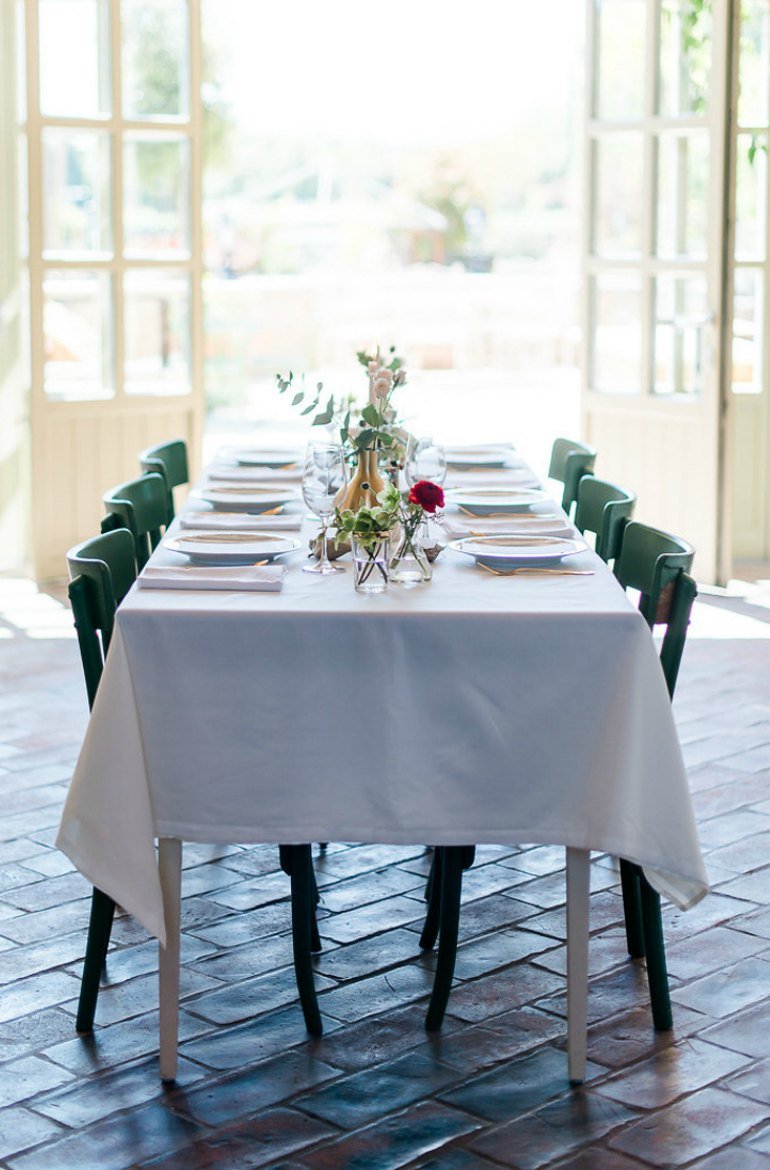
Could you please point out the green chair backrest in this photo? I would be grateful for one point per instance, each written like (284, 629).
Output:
(604, 509)
(170, 461)
(657, 565)
(102, 571)
(570, 461)
(141, 506)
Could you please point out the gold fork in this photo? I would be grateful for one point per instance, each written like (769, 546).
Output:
(535, 570)
(509, 515)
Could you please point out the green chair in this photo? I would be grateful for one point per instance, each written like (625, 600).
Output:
(570, 461)
(141, 506)
(101, 571)
(604, 509)
(170, 461)
(657, 565)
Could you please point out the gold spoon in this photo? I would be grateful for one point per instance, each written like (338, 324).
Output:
(535, 570)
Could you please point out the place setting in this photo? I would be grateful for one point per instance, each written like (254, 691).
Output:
(509, 554)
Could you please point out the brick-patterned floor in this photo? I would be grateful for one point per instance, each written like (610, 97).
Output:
(376, 1092)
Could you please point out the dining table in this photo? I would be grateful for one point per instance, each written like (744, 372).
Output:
(477, 708)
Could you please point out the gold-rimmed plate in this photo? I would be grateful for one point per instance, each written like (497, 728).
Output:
(492, 501)
(511, 549)
(229, 498)
(231, 548)
(252, 457)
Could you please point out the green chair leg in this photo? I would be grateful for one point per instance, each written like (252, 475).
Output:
(632, 908)
(657, 975)
(99, 930)
(296, 860)
(455, 858)
(433, 898)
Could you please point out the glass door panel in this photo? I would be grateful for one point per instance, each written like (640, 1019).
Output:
(155, 58)
(616, 332)
(74, 58)
(76, 192)
(157, 331)
(618, 207)
(683, 194)
(156, 196)
(681, 320)
(685, 57)
(77, 324)
(620, 39)
(748, 332)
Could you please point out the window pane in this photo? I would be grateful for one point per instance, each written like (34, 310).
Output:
(157, 332)
(685, 56)
(750, 196)
(76, 192)
(754, 67)
(156, 183)
(616, 360)
(683, 176)
(620, 46)
(77, 325)
(74, 56)
(748, 313)
(155, 79)
(681, 321)
(618, 204)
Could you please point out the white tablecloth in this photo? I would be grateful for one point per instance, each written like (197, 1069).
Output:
(476, 709)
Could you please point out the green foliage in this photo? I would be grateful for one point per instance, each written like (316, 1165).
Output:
(370, 525)
(324, 416)
(756, 144)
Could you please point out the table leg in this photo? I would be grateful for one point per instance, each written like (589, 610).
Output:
(170, 869)
(578, 883)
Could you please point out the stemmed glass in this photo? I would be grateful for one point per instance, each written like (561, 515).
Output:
(322, 479)
(425, 460)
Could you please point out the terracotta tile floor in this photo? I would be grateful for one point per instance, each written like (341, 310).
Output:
(376, 1092)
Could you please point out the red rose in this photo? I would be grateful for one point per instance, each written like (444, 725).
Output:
(428, 495)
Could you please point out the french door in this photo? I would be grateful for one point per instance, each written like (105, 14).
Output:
(751, 305)
(658, 299)
(114, 166)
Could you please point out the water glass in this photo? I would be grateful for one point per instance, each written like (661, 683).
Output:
(322, 480)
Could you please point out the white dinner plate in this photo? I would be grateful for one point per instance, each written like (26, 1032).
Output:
(491, 501)
(245, 499)
(251, 457)
(230, 548)
(506, 551)
(489, 460)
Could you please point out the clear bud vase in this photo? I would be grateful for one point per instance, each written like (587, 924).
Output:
(410, 564)
(370, 565)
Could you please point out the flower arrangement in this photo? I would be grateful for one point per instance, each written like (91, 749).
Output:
(376, 428)
(370, 526)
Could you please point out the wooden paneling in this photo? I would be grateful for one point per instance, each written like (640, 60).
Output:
(750, 492)
(79, 451)
(667, 457)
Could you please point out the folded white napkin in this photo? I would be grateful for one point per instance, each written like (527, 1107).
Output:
(261, 475)
(457, 527)
(262, 578)
(240, 521)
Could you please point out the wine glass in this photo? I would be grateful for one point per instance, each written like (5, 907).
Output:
(322, 478)
(425, 460)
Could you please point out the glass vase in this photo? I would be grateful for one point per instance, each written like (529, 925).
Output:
(410, 564)
(371, 566)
